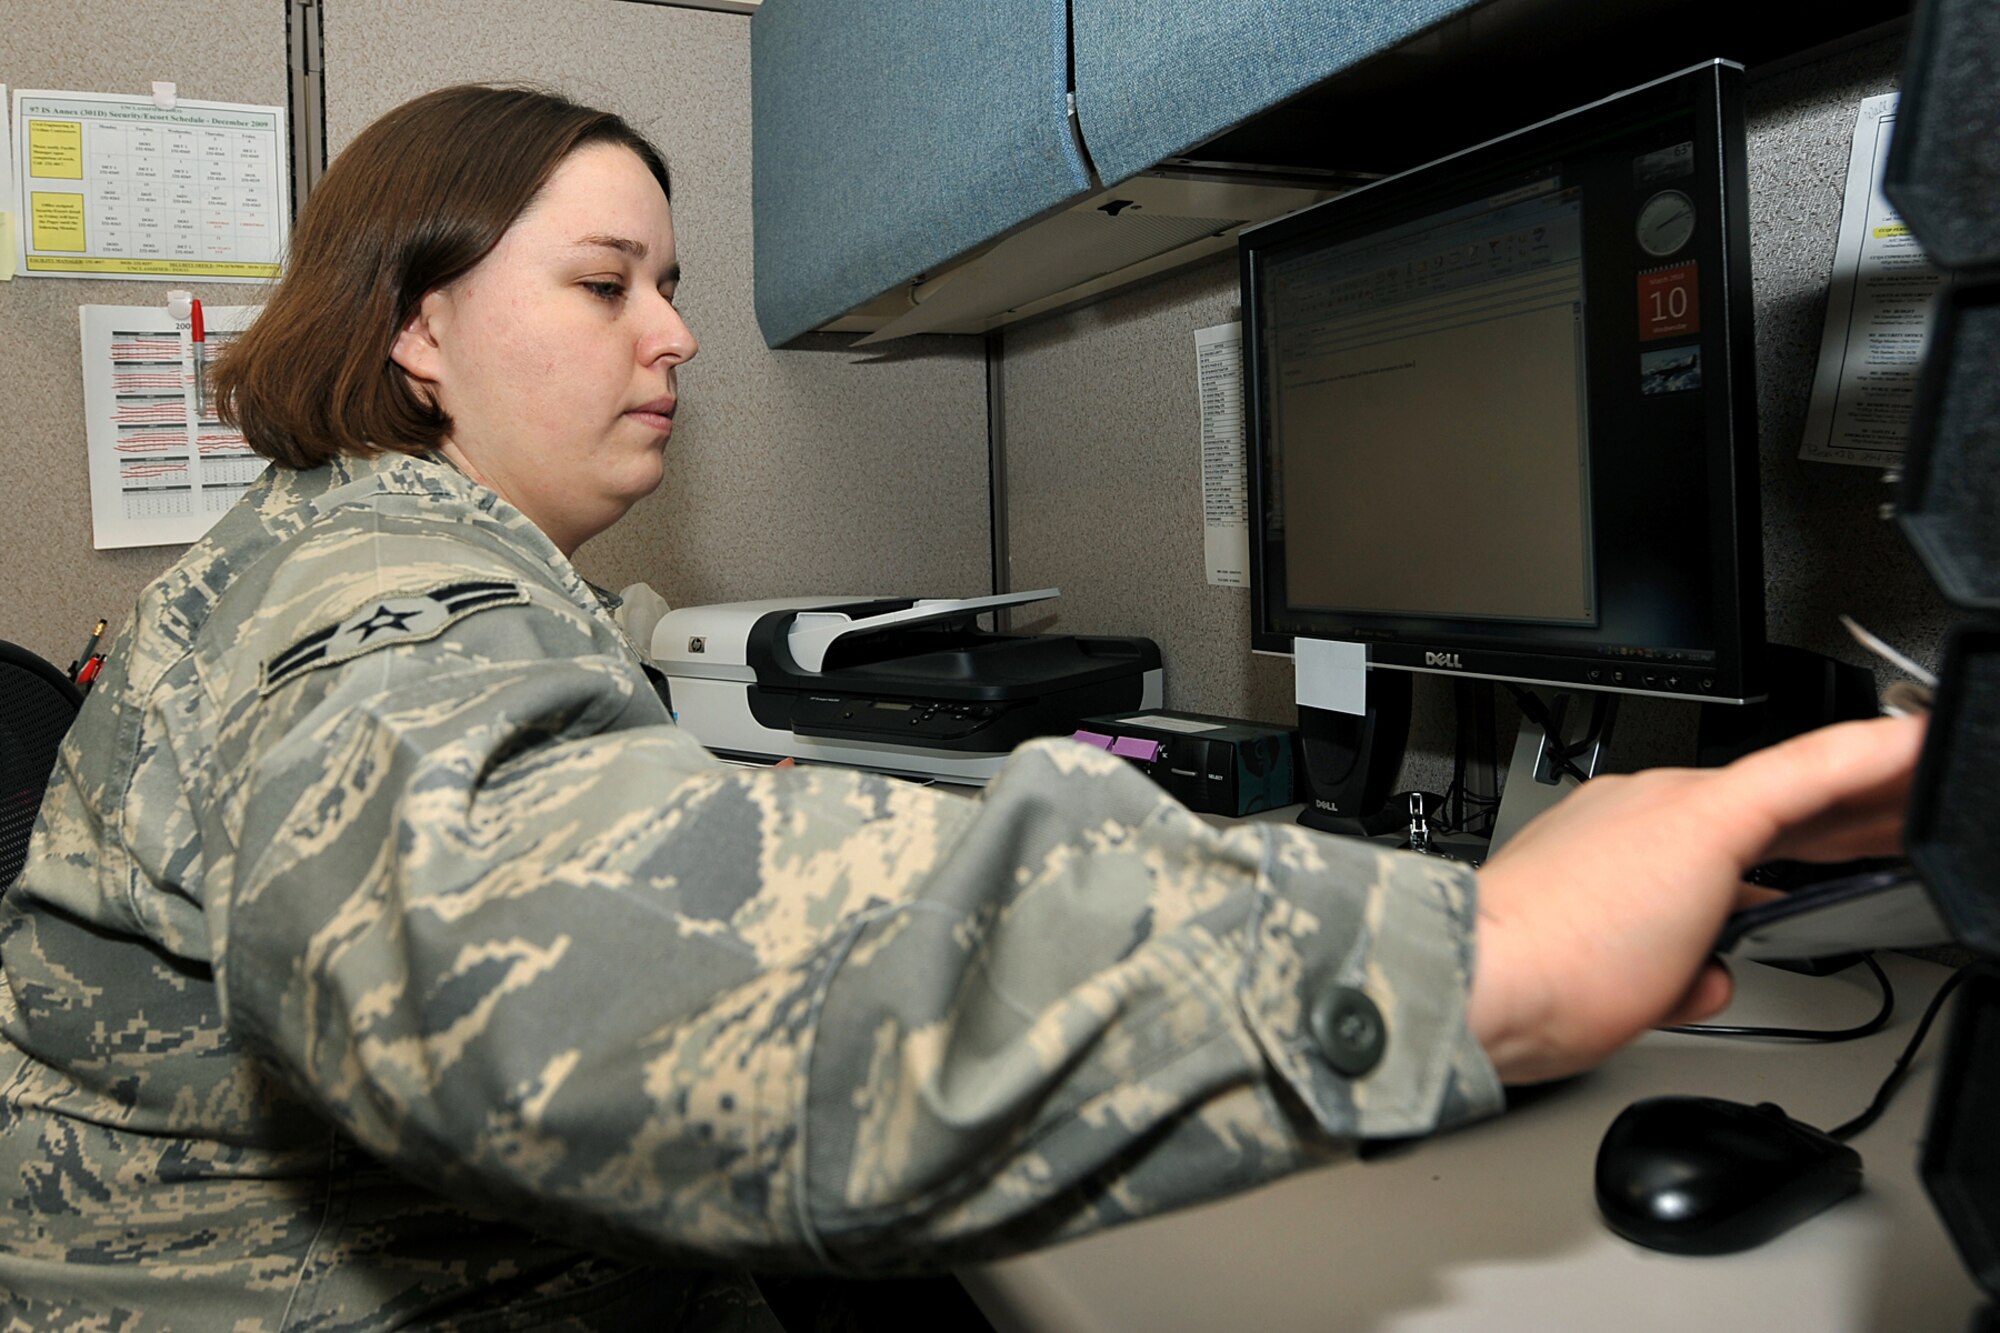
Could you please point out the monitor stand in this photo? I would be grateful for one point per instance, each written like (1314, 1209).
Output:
(1561, 744)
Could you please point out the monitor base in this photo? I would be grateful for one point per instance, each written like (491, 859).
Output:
(1560, 745)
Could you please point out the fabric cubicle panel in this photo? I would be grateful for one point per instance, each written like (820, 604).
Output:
(56, 583)
(1208, 67)
(891, 135)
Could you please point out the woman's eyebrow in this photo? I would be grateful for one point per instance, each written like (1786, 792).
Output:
(626, 245)
(636, 249)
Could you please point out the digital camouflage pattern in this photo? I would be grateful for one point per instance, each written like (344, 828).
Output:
(440, 981)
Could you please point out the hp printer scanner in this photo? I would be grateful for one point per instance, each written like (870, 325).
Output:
(904, 686)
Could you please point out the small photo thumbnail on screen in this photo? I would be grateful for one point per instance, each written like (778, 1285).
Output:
(1670, 370)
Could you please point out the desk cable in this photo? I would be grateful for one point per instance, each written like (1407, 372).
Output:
(1897, 1073)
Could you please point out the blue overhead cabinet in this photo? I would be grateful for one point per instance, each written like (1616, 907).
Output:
(1208, 66)
(901, 148)
(890, 135)
(917, 169)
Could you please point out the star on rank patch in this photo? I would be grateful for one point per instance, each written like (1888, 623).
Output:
(408, 617)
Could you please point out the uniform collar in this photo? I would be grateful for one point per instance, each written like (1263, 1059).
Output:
(348, 478)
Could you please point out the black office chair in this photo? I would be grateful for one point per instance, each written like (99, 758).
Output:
(37, 704)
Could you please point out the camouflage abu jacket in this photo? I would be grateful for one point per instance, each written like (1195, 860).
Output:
(386, 958)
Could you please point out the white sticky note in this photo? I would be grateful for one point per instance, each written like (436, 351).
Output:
(1331, 674)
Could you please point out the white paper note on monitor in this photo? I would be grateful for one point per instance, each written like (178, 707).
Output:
(1331, 674)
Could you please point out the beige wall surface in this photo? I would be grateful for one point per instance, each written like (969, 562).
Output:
(1103, 467)
(53, 585)
(803, 471)
(817, 471)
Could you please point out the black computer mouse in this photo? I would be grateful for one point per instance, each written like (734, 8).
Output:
(1699, 1175)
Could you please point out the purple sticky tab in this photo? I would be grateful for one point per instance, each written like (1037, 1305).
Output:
(1101, 741)
(1132, 747)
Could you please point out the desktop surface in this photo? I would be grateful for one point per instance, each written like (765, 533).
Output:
(1495, 1229)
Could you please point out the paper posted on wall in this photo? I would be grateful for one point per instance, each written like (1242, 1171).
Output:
(162, 469)
(156, 189)
(1224, 500)
(1878, 313)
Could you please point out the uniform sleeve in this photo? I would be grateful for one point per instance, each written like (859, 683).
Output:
(530, 944)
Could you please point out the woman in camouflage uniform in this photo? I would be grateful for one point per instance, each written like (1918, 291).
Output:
(386, 958)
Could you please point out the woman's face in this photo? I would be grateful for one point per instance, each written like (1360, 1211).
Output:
(555, 356)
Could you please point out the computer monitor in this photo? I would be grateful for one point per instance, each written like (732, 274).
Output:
(1501, 410)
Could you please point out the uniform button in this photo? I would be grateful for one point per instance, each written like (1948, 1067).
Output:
(1349, 1030)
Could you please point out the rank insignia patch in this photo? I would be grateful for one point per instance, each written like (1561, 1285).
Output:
(404, 618)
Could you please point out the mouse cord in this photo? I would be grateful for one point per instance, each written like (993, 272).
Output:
(1895, 1079)
(1901, 1068)
(1873, 1025)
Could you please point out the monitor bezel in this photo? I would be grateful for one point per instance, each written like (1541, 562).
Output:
(1714, 91)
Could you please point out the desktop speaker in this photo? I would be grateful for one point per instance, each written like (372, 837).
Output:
(1943, 172)
(1950, 494)
(1951, 834)
(1349, 762)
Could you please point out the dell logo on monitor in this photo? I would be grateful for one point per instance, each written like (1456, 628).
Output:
(1444, 660)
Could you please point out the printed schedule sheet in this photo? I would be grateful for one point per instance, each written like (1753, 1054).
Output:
(110, 186)
(163, 469)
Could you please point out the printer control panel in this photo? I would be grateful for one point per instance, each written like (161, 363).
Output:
(888, 719)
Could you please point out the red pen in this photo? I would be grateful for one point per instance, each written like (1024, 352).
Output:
(90, 669)
(195, 336)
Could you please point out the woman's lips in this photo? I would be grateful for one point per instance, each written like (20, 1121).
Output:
(657, 415)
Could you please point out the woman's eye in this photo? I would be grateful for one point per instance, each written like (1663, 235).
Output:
(605, 291)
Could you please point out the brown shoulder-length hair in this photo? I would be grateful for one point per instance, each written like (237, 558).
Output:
(411, 205)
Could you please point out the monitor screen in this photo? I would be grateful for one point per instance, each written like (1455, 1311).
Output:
(1501, 412)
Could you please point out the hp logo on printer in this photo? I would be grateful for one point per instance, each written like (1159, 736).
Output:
(697, 644)
(1444, 660)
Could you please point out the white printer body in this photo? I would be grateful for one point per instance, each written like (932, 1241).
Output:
(906, 686)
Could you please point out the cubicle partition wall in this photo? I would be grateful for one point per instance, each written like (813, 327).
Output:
(53, 585)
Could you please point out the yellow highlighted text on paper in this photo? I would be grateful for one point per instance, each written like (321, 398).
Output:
(55, 221)
(55, 149)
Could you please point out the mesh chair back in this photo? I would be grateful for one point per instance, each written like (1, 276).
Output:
(37, 704)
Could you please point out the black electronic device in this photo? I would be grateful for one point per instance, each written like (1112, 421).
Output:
(1502, 421)
(1952, 835)
(1960, 1164)
(1886, 908)
(1700, 1175)
(1950, 490)
(1945, 155)
(1348, 762)
(1212, 765)
(1943, 161)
